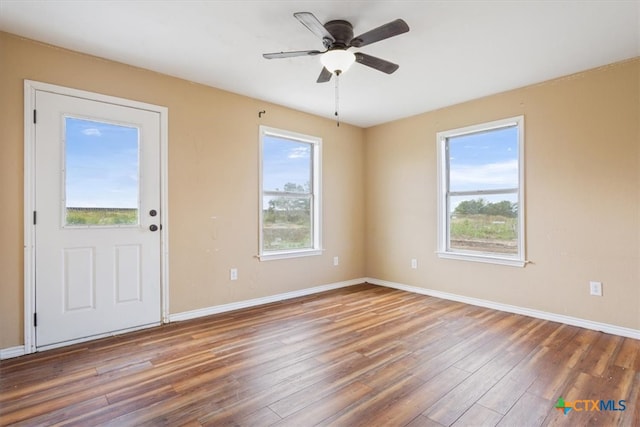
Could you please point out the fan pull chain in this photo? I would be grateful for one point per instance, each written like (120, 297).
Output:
(337, 97)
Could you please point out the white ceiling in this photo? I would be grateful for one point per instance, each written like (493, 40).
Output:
(454, 52)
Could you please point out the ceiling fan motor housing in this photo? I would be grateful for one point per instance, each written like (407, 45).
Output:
(342, 32)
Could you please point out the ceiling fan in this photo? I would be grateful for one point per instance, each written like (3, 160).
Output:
(337, 37)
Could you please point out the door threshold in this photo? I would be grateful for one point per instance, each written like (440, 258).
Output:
(96, 337)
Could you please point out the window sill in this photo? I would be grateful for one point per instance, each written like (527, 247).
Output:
(289, 254)
(489, 259)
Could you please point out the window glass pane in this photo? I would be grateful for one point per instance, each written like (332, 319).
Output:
(484, 160)
(484, 224)
(286, 223)
(287, 165)
(101, 173)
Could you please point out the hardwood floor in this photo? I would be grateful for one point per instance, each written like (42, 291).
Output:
(363, 355)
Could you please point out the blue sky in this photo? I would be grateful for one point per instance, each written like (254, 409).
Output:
(283, 161)
(484, 161)
(101, 164)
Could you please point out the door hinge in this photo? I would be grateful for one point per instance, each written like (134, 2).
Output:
(35, 319)
(34, 116)
(35, 216)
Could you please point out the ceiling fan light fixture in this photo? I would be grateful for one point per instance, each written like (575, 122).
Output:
(337, 61)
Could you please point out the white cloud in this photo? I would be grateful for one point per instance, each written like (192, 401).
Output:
(495, 175)
(92, 132)
(298, 152)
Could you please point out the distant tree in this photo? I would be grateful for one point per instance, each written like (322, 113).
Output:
(470, 207)
(503, 208)
(292, 209)
(291, 187)
(481, 207)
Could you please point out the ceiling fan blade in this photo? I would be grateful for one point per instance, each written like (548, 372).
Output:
(385, 31)
(275, 55)
(325, 76)
(376, 63)
(310, 21)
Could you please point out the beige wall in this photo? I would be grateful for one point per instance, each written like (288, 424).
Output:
(213, 164)
(582, 156)
(379, 187)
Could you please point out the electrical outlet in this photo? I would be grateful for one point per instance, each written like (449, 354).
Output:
(595, 288)
(336, 260)
(233, 274)
(414, 263)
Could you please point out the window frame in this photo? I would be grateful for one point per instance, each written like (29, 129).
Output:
(315, 194)
(444, 194)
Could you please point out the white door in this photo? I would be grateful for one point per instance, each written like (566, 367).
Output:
(97, 218)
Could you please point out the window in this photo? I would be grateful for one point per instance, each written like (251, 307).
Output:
(290, 194)
(480, 192)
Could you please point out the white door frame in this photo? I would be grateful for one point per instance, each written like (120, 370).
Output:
(30, 88)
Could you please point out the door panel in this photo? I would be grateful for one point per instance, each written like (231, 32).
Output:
(79, 286)
(127, 272)
(97, 178)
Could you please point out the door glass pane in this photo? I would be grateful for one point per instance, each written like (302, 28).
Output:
(101, 173)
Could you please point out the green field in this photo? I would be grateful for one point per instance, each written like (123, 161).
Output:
(490, 233)
(287, 228)
(286, 236)
(101, 216)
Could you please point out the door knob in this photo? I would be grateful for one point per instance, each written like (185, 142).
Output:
(153, 227)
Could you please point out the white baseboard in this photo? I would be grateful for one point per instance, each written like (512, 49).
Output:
(8, 353)
(207, 311)
(569, 320)
(11, 352)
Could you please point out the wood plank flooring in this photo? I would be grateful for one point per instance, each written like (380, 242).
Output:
(358, 356)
